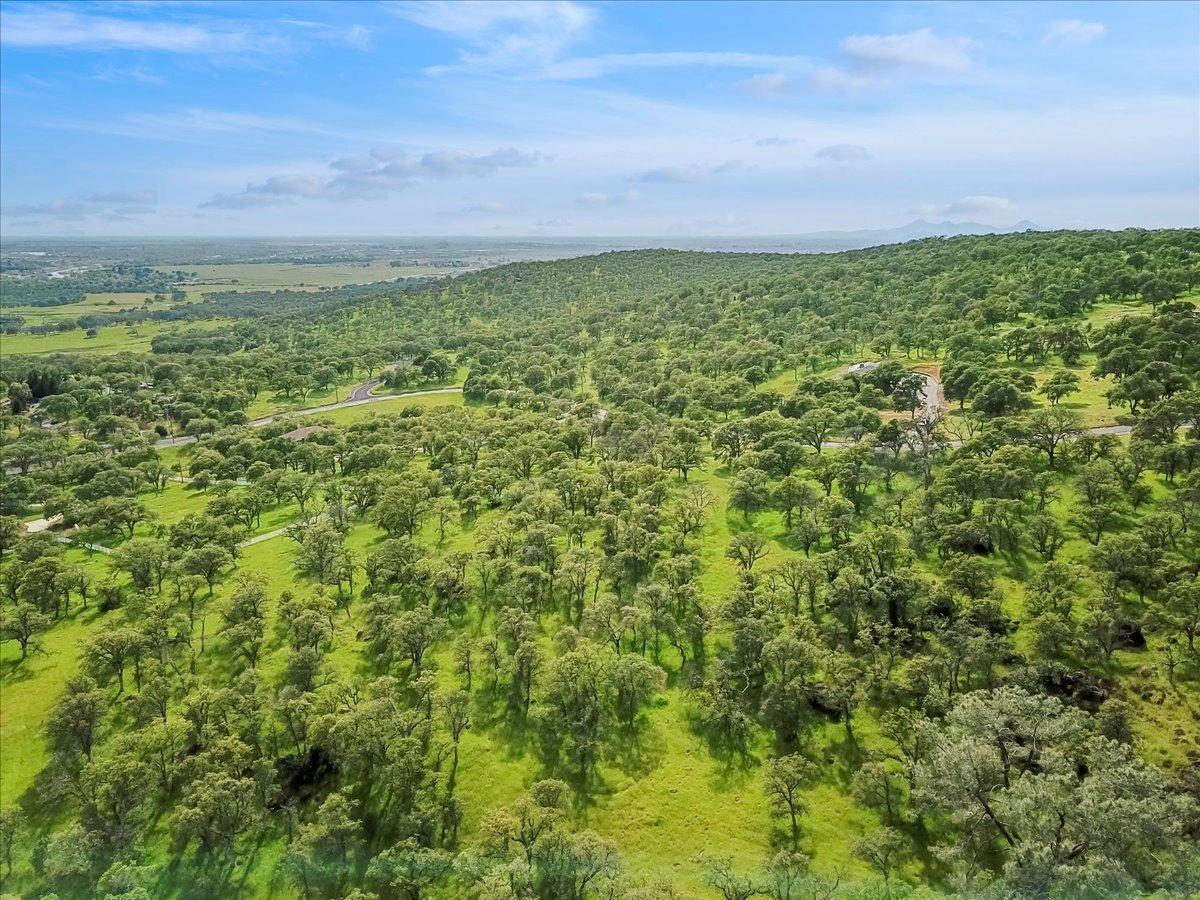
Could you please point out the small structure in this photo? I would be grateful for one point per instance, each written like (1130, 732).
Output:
(302, 434)
(862, 367)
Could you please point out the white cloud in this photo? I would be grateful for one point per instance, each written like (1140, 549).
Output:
(768, 84)
(488, 208)
(63, 27)
(375, 175)
(982, 205)
(831, 78)
(125, 197)
(686, 174)
(55, 27)
(453, 163)
(774, 142)
(531, 36)
(112, 206)
(503, 32)
(357, 36)
(1073, 31)
(844, 152)
(920, 49)
(136, 74)
(674, 175)
(184, 124)
(243, 201)
(602, 199)
(871, 59)
(604, 64)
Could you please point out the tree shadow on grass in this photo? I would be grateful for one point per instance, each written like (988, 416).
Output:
(18, 671)
(496, 715)
(634, 749)
(842, 757)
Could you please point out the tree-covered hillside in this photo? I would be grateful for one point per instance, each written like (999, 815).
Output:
(619, 577)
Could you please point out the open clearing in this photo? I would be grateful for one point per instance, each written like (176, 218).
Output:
(287, 276)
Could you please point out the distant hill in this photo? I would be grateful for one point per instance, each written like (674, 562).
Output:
(913, 231)
(828, 241)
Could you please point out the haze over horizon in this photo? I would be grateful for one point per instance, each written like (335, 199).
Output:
(571, 119)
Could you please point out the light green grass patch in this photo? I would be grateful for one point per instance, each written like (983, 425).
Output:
(109, 339)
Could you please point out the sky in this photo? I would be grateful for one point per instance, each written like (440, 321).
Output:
(569, 118)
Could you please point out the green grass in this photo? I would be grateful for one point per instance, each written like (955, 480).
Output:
(211, 279)
(285, 276)
(29, 689)
(665, 798)
(92, 304)
(109, 339)
(348, 414)
(269, 403)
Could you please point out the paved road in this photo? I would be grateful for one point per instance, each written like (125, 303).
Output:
(361, 395)
(364, 391)
(932, 395)
(248, 542)
(276, 532)
(67, 539)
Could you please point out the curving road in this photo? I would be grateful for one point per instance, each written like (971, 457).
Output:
(361, 395)
(365, 391)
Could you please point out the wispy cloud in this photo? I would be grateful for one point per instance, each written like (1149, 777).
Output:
(982, 205)
(872, 59)
(112, 206)
(843, 153)
(602, 199)
(53, 26)
(920, 49)
(605, 64)
(835, 80)
(774, 142)
(375, 175)
(57, 26)
(503, 33)
(768, 84)
(185, 124)
(686, 174)
(125, 197)
(531, 39)
(1073, 31)
(357, 36)
(484, 208)
(134, 74)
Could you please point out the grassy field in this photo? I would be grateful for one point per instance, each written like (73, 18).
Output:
(212, 279)
(92, 304)
(279, 276)
(109, 339)
(234, 277)
(348, 414)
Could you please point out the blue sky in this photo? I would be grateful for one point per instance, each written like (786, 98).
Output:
(593, 118)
